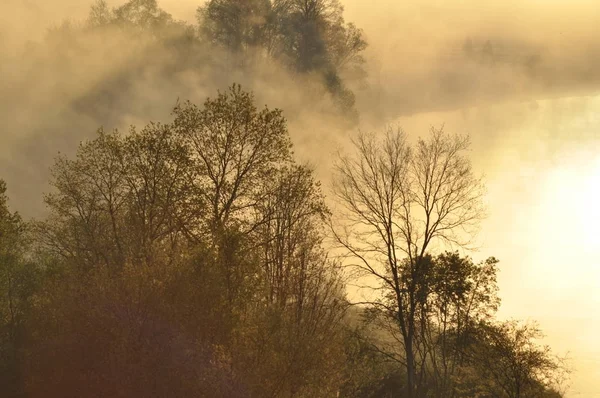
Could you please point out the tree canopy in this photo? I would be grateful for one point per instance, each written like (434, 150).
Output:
(190, 258)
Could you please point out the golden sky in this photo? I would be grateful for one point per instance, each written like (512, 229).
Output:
(532, 110)
(521, 77)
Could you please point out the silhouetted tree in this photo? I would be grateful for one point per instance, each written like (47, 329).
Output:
(189, 261)
(462, 295)
(237, 149)
(397, 202)
(310, 36)
(238, 25)
(18, 282)
(510, 362)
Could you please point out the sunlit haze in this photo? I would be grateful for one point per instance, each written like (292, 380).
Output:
(521, 78)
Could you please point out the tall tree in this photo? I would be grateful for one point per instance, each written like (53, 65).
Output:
(237, 149)
(290, 237)
(398, 202)
(202, 235)
(304, 301)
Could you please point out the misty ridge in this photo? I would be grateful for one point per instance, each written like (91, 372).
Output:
(125, 65)
(114, 70)
(185, 246)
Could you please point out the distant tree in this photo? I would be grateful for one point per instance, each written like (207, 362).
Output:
(305, 28)
(310, 36)
(397, 202)
(141, 14)
(316, 39)
(238, 25)
(100, 14)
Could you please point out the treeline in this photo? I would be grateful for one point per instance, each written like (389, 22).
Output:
(197, 258)
(307, 37)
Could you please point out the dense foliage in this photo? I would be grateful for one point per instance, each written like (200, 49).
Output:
(305, 36)
(188, 259)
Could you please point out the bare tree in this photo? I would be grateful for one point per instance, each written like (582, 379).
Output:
(397, 202)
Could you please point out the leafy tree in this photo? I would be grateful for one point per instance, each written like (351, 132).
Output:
(190, 263)
(369, 371)
(144, 15)
(18, 283)
(315, 39)
(310, 36)
(86, 224)
(237, 148)
(512, 364)
(462, 295)
(238, 25)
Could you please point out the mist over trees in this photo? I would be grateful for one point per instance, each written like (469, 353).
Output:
(305, 36)
(189, 259)
(397, 203)
(183, 259)
(199, 257)
(309, 36)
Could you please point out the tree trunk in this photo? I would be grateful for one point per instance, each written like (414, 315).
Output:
(410, 367)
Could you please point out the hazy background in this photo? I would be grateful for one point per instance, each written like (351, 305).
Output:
(521, 77)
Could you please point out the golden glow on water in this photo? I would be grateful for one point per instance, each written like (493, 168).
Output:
(567, 242)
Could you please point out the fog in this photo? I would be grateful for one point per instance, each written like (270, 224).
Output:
(59, 87)
(521, 77)
(529, 100)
